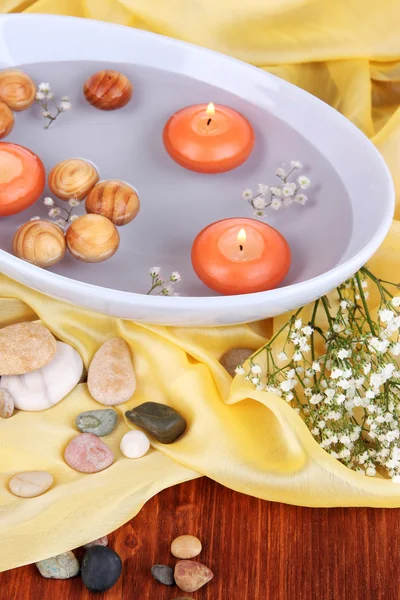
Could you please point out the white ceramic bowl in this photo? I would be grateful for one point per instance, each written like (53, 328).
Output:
(352, 197)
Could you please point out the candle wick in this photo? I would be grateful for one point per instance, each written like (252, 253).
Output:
(241, 248)
(208, 122)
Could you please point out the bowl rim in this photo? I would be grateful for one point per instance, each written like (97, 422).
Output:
(170, 304)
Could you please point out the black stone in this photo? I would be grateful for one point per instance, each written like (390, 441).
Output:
(100, 568)
(161, 421)
(163, 574)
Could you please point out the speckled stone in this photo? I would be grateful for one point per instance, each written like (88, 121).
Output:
(103, 541)
(235, 357)
(25, 347)
(30, 484)
(99, 422)
(6, 404)
(62, 566)
(161, 421)
(186, 546)
(163, 574)
(101, 568)
(111, 376)
(190, 576)
(86, 453)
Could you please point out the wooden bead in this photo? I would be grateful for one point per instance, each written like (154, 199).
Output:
(17, 89)
(115, 200)
(6, 119)
(41, 243)
(108, 90)
(92, 238)
(72, 178)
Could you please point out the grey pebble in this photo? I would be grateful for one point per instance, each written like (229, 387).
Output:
(99, 422)
(163, 574)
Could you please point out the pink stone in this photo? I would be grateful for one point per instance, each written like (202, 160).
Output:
(102, 541)
(190, 576)
(86, 453)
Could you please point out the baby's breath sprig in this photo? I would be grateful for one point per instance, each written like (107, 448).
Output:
(338, 369)
(285, 194)
(164, 287)
(44, 95)
(62, 215)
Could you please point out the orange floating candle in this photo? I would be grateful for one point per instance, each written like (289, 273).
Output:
(22, 178)
(240, 256)
(208, 139)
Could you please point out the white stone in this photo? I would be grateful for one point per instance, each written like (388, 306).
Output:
(30, 483)
(45, 387)
(134, 444)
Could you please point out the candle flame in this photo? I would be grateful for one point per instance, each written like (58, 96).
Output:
(210, 110)
(241, 238)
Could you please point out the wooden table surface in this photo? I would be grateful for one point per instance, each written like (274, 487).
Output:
(258, 551)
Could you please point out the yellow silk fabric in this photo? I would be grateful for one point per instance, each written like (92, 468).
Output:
(348, 54)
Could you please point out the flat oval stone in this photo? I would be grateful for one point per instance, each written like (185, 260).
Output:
(235, 357)
(25, 347)
(6, 404)
(99, 422)
(186, 546)
(190, 576)
(103, 541)
(47, 386)
(163, 574)
(161, 421)
(101, 568)
(30, 484)
(134, 444)
(87, 454)
(111, 377)
(62, 566)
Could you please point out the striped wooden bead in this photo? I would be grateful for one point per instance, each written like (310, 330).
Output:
(108, 90)
(115, 200)
(41, 243)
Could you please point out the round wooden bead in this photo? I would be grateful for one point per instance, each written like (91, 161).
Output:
(6, 119)
(72, 178)
(17, 89)
(92, 238)
(108, 90)
(41, 243)
(115, 200)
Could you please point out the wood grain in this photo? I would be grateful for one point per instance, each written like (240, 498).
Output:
(258, 551)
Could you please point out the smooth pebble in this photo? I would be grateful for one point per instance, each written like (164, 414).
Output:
(86, 453)
(111, 376)
(30, 484)
(163, 574)
(102, 541)
(134, 444)
(235, 357)
(99, 422)
(25, 347)
(62, 566)
(101, 568)
(186, 546)
(161, 421)
(190, 576)
(6, 404)
(47, 386)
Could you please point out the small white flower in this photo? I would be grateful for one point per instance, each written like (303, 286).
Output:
(286, 386)
(263, 189)
(73, 218)
(280, 172)
(288, 189)
(336, 373)
(61, 223)
(48, 201)
(259, 387)
(259, 202)
(301, 199)
(54, 212)
(282, 356)
(64, 106)
(307, 330)
(343, 353)
(297, 356)
(316, 367)
(396, 301)
(276, 204)
(298, 323)
(247, 194)
(34, 219)
(259, 213)
(344, 304)
(166, 291)
(364, 283)
(276, 191)
(386, 315)
(239, 370)
(73, 202)
(44, 87)
(256, 369)
(395, 349)
(370, 471)
(291, 374)
(303, 182)
(289, 397)
(296, 164)
(255, 380)
(175, 276)
(40, 96)
(154, 271)
(316, 398)
(367, 368)
(46, 114)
